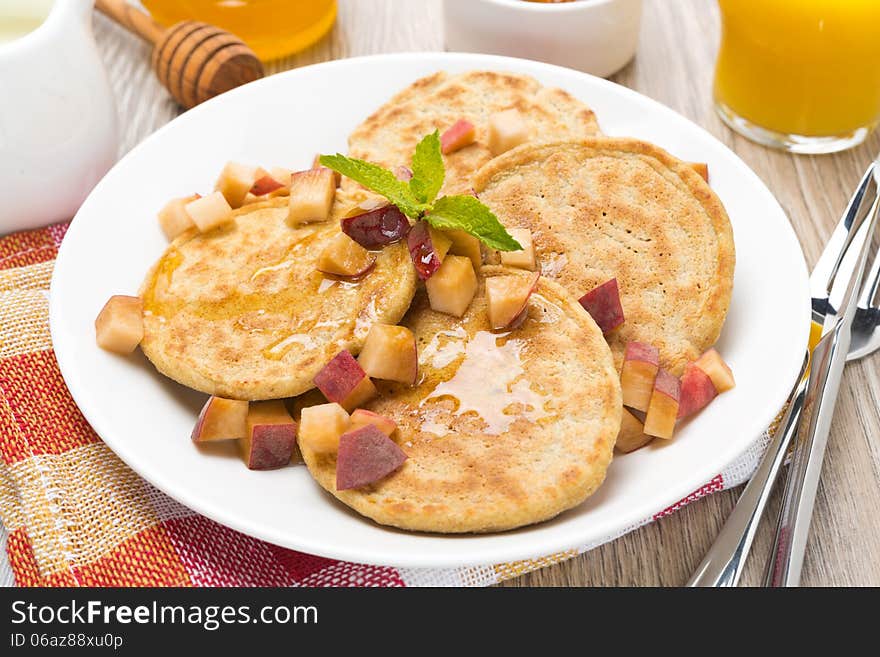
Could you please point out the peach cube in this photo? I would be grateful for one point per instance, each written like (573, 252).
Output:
(719, 371)
(119, 326)
(174, 219)
(345, 257)
(316, 164)
(632, 434)
(663, 409)
(697, 390)
(461, 134)
(508, 297)
(524, 259)
(641, 363)
(507, 130)
(320, 427)
(209, 211)
(362, 417)
(390, 353)
(311, 196)
(221, 419)
(270, 436)
(235, 182)
(452, 287)
(465, 244)
(344, 381)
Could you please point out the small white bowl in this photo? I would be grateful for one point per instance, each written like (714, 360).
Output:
(595, 36)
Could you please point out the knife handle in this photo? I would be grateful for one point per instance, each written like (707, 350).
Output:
(723, 563)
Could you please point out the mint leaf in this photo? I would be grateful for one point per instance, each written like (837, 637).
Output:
(427, 167)
(470, 215)
(379, 180)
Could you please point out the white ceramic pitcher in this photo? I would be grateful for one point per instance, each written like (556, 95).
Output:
(58, 126)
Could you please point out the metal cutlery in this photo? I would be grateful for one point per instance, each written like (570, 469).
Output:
(724, 562)
(828, 361)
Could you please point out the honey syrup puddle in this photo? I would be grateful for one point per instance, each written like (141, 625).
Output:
(489, 381)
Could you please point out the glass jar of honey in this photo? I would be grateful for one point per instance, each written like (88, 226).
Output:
(272, 28)
(801, 75)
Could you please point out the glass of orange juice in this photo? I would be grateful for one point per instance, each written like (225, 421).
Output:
(272, 28)
(800, 75)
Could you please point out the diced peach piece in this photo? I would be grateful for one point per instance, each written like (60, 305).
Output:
(465, 244)
(452, 287)
(390, 353)
(365, 456)
(264, 185)
(119, 327)
(282, 175)
(701, 168)
(524, 259)
(427, 248)
(344, 381)
(209, 211)
(697, 390)
(461, 134)
(641, 362)
(221, 419)
(311, 196)
(316, 164)
(362, 417)
(270, 436)
(663, 409)
(507, 130)
(441, 241)
(345, 257)
(632, 434)
(235, 182)
(320, 427)
(603, 304)
(174, 219)
(719, 371)
(508, 297)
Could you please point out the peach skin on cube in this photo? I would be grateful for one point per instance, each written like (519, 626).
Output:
(270, 436)
(462, 133)
(173, 217)
(235, 182)
(119, 327)
(632, 434)
(603, 304)
(453, 286)
(311, 196)
(209, 211)
(362, 417)
(320, 427)
(697, 390)
(345, 257)
(389, 353)
(344, 381)
(525, 258)
(641, 362)
(663, 409)
(427, 248)
(221, 419)
(365, 456)
(717, 370)
(507, 130)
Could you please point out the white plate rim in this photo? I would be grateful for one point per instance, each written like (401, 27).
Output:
(480, 556)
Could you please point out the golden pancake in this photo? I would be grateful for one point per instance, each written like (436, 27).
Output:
(389, 136)
(603, 208)
(504, 429)
(242, 312)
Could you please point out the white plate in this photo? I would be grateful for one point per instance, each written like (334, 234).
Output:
(286, 119)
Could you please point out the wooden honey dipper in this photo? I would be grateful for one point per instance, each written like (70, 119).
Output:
(194, 61)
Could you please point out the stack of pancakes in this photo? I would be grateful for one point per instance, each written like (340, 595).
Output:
(502, 429)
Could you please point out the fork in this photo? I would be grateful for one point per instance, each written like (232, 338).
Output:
(723, 563)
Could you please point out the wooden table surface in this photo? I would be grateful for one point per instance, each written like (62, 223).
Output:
(674, 65)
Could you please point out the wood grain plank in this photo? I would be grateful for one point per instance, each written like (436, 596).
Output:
(675, 66)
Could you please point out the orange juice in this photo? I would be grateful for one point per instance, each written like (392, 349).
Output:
(801, 68)
(273, 28)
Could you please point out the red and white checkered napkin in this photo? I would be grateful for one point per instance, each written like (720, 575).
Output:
(77, 516)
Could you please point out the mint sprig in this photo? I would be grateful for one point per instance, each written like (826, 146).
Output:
(417, 199)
